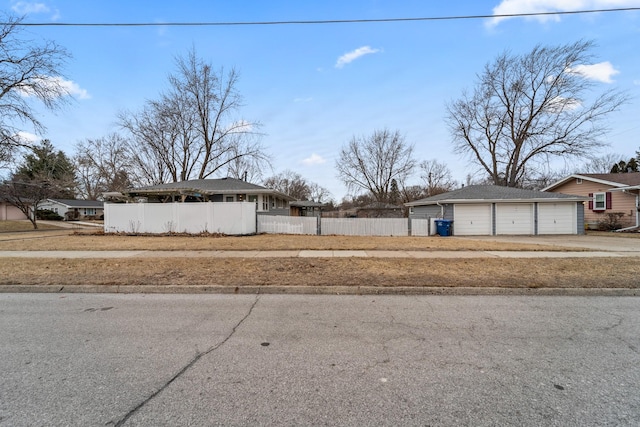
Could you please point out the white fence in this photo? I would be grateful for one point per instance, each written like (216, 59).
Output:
(342, 226)
(420, 227)
(193, 218)
(240, 218)
(365, 226)
(287, 224)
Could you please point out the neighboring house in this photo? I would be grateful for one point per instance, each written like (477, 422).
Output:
(8, 212)
(71, 209)
(306, 208)
(607, 193)
(213, 190)
(494, 210)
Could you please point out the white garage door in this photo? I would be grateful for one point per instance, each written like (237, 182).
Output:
(514, 218)
(557, 218)
(472, 220)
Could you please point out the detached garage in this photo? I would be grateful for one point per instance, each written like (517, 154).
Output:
(487, 210)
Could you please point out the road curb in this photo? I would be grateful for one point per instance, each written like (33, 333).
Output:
(317, 290)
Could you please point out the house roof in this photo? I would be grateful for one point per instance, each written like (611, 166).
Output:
(207, 186)
(494, 193)
(612, 179)
(72, 203)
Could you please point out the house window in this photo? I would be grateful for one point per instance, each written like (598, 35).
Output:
(228, 199)
(411, 210)
(89, 211)
(253, 198)
(599, 201)
(578, 180)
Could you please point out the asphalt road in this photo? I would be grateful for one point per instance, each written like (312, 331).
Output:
(174, 360)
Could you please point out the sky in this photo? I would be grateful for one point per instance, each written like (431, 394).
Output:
(314, 87)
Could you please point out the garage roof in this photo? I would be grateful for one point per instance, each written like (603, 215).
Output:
(495, 193)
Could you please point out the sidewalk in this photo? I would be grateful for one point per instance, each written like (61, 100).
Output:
(317, 254)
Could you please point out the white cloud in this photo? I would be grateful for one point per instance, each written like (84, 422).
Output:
(24, 8)
(560, 104)
(74, 89)
(354, 54)
(314, 159)
(511, 7)
(28, 137)
(60, 87)
(601, 72)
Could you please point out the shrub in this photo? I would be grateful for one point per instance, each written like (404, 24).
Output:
(47, 215)
(611, 221)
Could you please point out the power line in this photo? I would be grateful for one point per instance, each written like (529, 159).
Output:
(313, 22)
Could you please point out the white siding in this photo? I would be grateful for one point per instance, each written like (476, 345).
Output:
(472, 220)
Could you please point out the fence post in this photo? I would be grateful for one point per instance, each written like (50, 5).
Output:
(319, 225)
(409, 226)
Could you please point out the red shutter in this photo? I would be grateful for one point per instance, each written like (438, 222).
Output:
(591, 201)
(608, 200)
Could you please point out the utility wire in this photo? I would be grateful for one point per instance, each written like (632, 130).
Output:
(312, 22)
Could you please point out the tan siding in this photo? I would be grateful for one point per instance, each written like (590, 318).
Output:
(9, 212)
(620, 202)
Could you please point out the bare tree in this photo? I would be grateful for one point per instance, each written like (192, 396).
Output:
(295, 185)
(413, 192)
(192, 131)
(102, 165)
(290, 183)
(600, 164)
(251, 166)
(27, 70)
(528, 109)
(436, 176)
(372, 163)
(318, 193)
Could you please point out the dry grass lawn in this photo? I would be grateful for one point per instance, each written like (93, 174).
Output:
(11, 226)
(239, 272)
(90, 241)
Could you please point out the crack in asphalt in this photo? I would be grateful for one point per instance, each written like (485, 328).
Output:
(184, 369)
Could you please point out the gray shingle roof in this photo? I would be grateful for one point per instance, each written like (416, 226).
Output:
(80, 203)
(478, 193)
(208, 186)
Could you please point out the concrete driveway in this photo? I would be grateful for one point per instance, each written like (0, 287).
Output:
(599, 243)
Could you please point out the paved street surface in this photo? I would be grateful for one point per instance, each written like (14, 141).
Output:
(156, 360)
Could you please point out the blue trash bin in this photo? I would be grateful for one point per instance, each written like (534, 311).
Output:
(443, 227)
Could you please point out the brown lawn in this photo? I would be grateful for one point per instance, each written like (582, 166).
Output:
(269, 272)
(238, 272)
(91, 241)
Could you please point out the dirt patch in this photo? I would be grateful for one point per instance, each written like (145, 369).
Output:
(238, 272)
